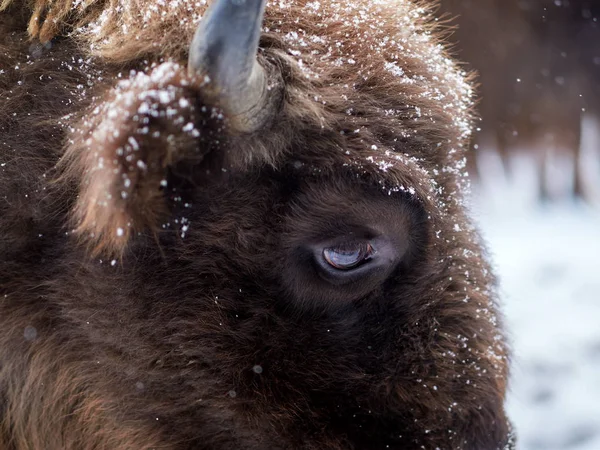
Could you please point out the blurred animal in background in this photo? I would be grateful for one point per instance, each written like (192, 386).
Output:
(539, 81)
(219, 231)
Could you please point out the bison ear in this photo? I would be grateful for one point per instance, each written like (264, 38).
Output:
(122, 150)
(224, 53)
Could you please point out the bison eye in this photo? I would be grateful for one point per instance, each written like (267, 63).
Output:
(348, 255)
(349, 259)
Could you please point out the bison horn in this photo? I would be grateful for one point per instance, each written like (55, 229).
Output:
(224, 49)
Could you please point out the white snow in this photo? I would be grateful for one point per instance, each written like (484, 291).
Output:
(548, 262)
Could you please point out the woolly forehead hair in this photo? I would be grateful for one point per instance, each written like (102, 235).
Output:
(372, 68)
(358, 37)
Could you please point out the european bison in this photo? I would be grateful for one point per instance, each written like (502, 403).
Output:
(254, 238)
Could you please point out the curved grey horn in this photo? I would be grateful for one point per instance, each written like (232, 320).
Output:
(224, 48)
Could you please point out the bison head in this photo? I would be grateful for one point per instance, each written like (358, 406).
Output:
(269, 246)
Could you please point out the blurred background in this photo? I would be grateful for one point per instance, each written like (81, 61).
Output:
(536, 169)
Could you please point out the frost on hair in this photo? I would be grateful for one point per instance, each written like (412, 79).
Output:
(120, 151)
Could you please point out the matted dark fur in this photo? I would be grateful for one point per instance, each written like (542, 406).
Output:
(155, 291)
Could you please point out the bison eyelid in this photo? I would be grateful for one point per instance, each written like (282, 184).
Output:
(385, 256)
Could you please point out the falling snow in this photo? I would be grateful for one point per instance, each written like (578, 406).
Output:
(546, 259)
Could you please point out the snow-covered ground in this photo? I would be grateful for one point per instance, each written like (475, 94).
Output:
(548, 261)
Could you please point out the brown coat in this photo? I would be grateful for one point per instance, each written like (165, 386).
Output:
(154, 292)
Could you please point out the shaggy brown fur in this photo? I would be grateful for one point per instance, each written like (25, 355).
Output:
(154, 285)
